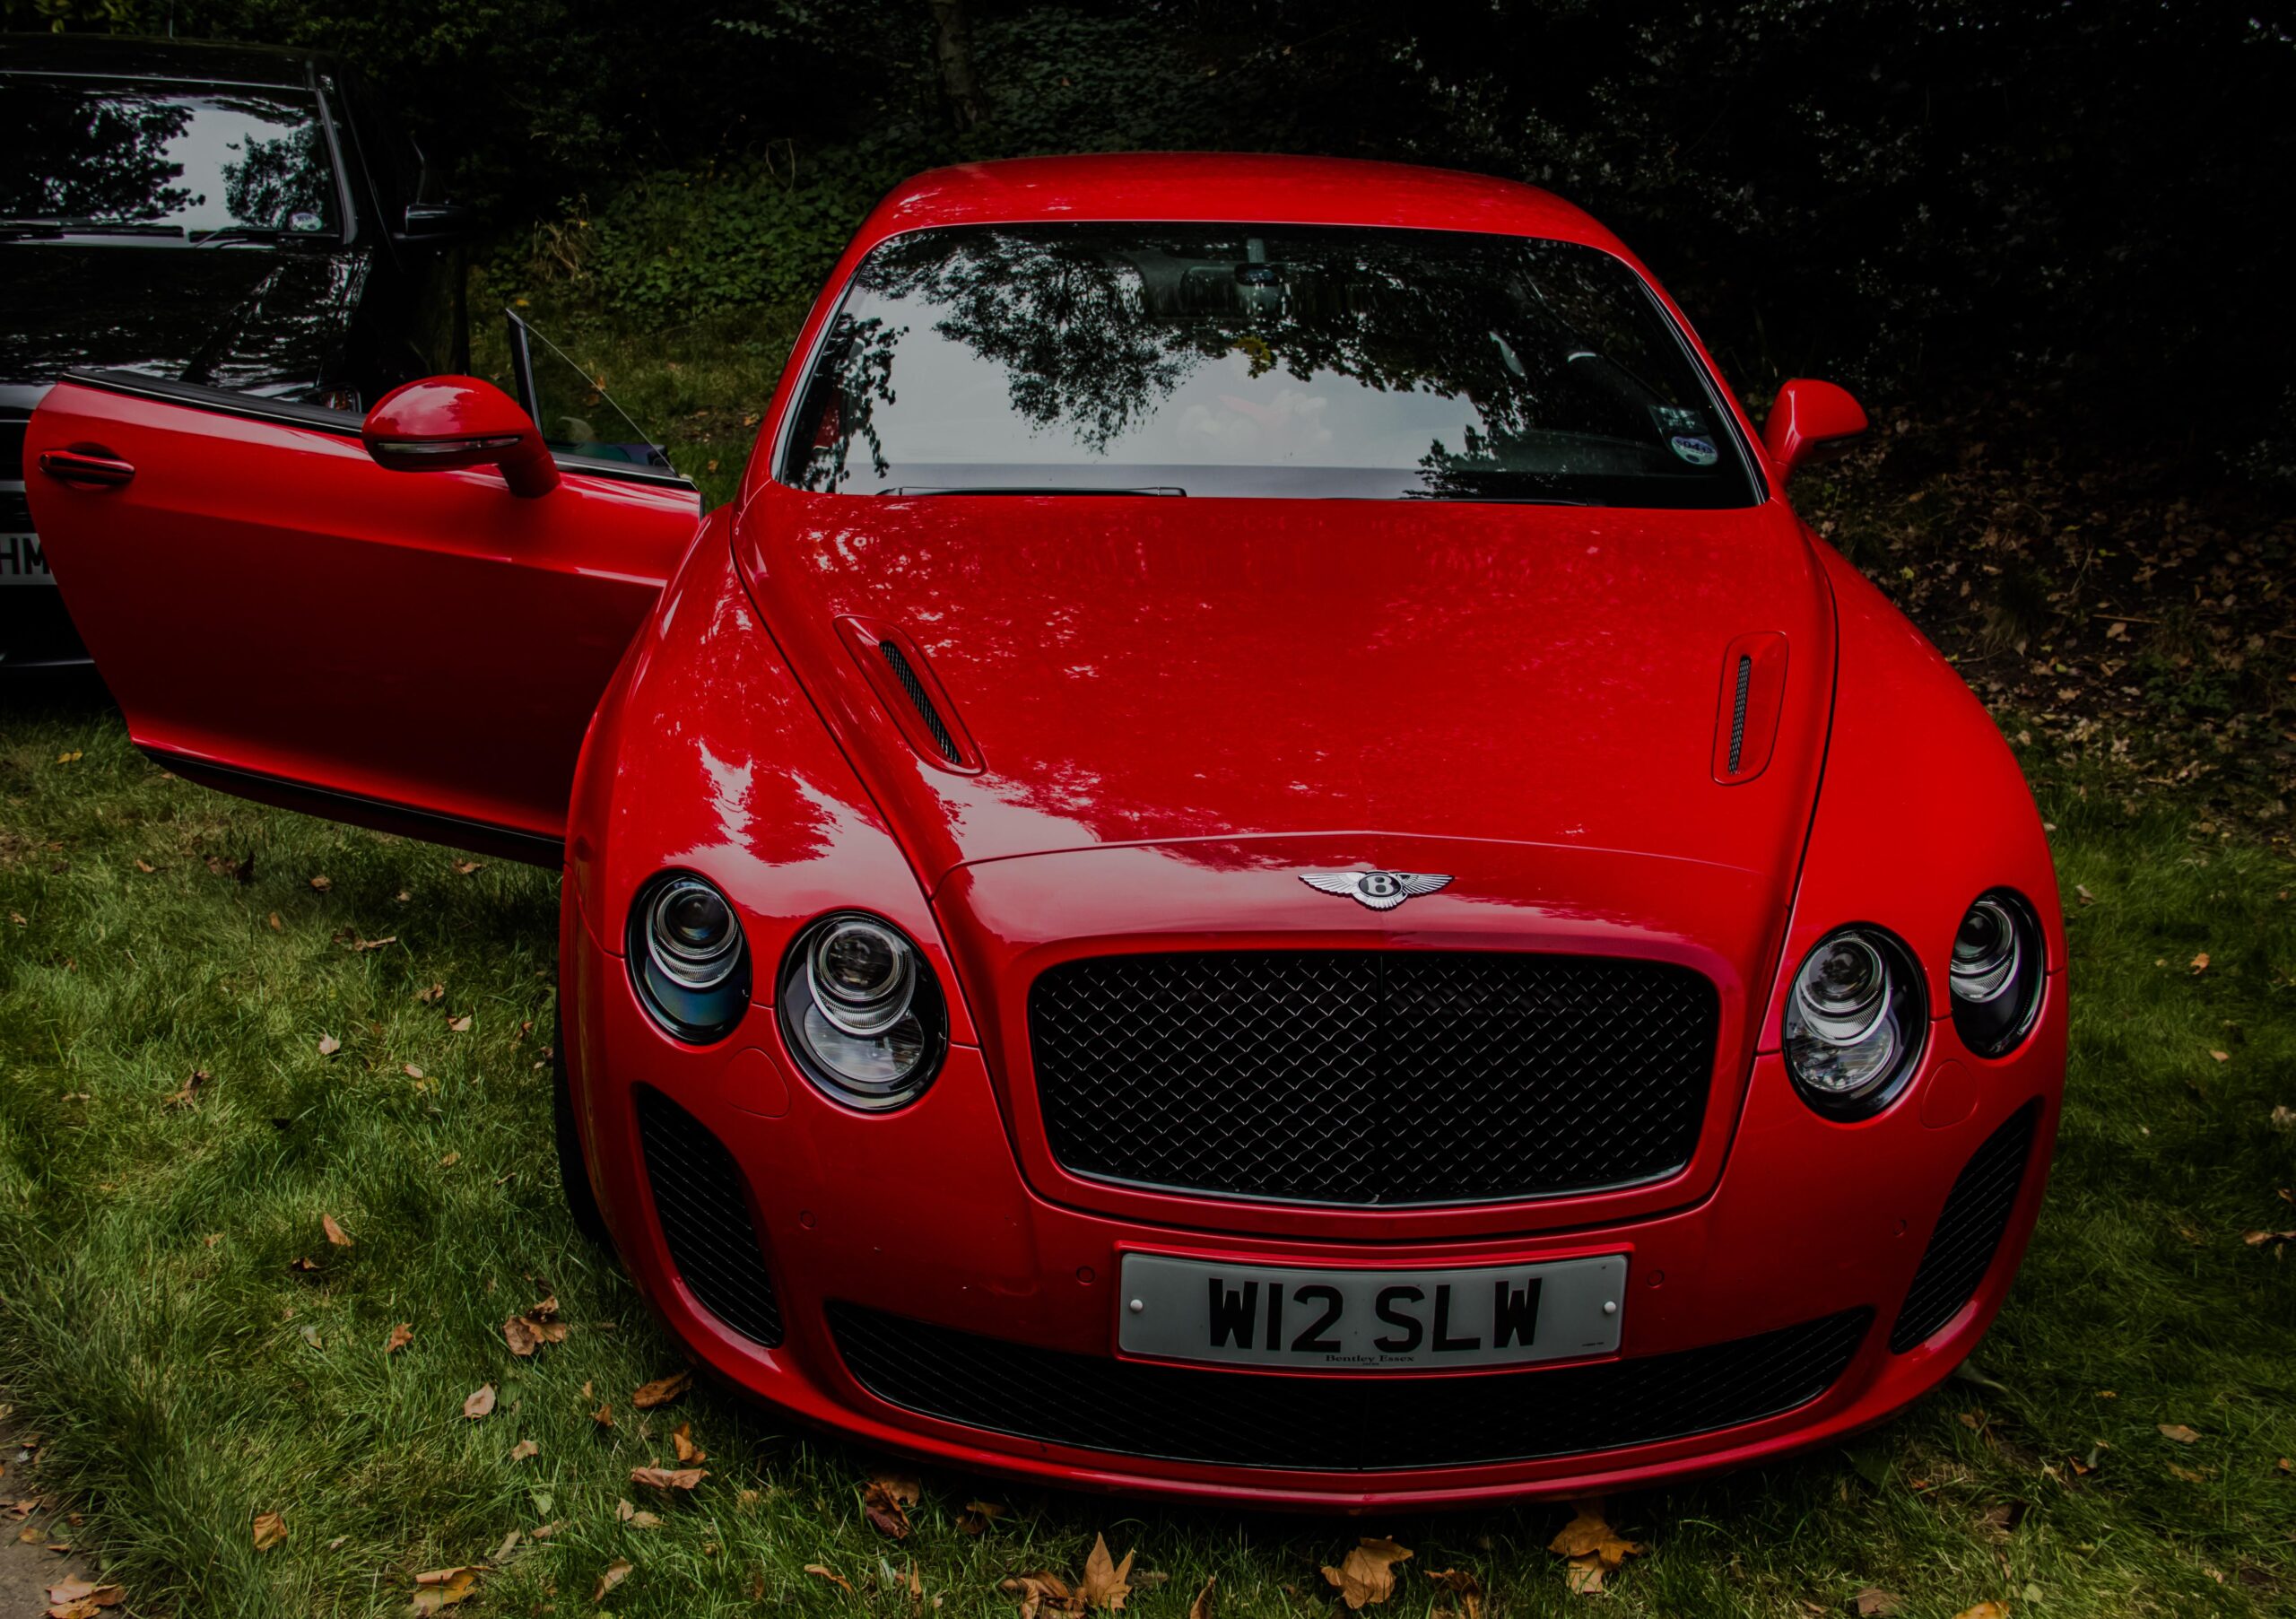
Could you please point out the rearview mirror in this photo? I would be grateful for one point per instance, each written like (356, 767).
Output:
(447, 422)
(438, 222)
(1811, 421)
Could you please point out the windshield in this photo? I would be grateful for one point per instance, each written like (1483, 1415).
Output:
(168, 161)
(1245, 360)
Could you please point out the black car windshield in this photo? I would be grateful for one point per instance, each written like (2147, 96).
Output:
(162, 161)
(1247, 359)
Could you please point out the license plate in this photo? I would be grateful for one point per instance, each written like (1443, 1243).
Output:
(23, 563)
(1252, 1315)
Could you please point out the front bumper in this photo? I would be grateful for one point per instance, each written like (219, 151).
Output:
(916, 1236)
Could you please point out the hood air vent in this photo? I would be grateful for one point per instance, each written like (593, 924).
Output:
(1753, 689)
(905, 685)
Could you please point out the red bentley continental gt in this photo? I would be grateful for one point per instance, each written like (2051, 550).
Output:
(1259, 860)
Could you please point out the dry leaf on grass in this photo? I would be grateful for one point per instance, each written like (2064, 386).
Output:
(185, 1094)
(329, 1045)
(603, 1416)
(1593, 1551)
(668, 1478)
(1106, 1582)
(2176, 1431)
(463, 868)
(335, 1233)
(432, 996)
(480, 1403)
(1202, 1607)
(616, 1572)
(321, 884)
(689, 1453)
(1035, 1592)
(1875, 1603)
(1985, 1610)
(886, 1501)
(2222, 1056)
(2200, 962)
(81, 1598)
(539, 1326)
(459, 1025)
(269, 1529)
(1463, 1584)
(524, 1449)
(442, 1588)
(831, 1575)
(979, 1515)
(1367, 1573)
(661, 1391)
(401, 1336)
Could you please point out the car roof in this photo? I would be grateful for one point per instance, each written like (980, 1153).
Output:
(124, 57)
(1230, 188)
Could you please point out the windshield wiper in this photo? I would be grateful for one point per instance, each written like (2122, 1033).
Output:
(1028, 489)
(227, 234)
(1468, 497)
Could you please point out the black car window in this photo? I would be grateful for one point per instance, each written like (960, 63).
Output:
(1248, 359)
(163, 159)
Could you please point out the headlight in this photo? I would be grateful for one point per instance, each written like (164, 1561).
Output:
(1854, 1021)
(688, 957)
(1996, 973)
(862, 1013)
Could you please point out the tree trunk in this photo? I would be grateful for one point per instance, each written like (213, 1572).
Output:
(952, 47)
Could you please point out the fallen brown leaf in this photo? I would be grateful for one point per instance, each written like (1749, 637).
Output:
(436, 993)
(2222, 1056)
(459, 1025)
(668, 1478)
(1463, 1584)
(463, 868)
(2200, 962)
(661, 1391)
(329, 1045)
(616, 1572)
(2176, 1431)
(81, 1598)
(185, 1094)
(321, 884)
(539, 1326)
(1593, 1551)
(269, 1529)
(524, 1449)
(886, 1501)
(1875, 1603)
(979, 1515)
(603, 1416)
(1106, 1582)
(335, 1233)
(689, 1453)
(1202, 1606)
(831, 1575)
(1035, 1590)
(480, 1403)
(1367, 1573)
(442, 1588)
(1985, 1610)
(401, 1336)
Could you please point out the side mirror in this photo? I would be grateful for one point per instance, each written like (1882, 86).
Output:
(438, 222)
(447, 422)
(1810, 421)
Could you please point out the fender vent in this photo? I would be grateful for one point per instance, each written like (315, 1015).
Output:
(905, 685)
(1753, 691)
(922, 704)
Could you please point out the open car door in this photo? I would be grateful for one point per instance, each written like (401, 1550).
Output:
(282, 615)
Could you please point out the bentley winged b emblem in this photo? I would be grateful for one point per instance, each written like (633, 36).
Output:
(1377, 890)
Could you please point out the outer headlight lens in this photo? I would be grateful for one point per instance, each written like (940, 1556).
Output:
(862, 1015)
(1996, 973)
(1854, 1021)
(688, 957)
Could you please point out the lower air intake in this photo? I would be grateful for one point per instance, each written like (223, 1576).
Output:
(1968, 1231)
(705, 1214)
(1342, 1424)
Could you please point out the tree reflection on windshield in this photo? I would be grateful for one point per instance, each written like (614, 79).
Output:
(1245, 360)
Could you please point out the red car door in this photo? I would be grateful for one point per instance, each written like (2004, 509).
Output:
(281, 617)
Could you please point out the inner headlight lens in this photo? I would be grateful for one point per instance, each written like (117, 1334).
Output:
(1996, 973)
(864, 1018)
(688, 958)
(1855, 1021)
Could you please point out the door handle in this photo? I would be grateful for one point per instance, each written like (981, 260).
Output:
(96, 469)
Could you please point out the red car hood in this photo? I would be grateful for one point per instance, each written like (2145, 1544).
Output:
(1147, 669)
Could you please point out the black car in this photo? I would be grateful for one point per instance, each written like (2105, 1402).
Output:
(228, 215)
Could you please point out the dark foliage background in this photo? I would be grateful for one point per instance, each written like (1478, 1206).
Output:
(2086, 202)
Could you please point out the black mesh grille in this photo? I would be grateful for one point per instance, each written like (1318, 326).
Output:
(1961, 1249)
(1335, 1423)
(1738, 711)
(697, 1197)
(1364, 1077)
(926, 712)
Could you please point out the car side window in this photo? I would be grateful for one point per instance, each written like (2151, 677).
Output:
(571, 406)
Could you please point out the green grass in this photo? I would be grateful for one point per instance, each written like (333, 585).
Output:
(183, 1385)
